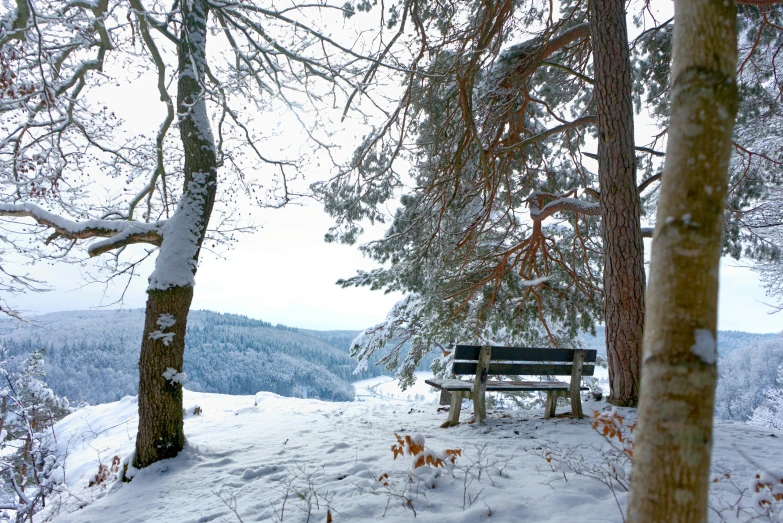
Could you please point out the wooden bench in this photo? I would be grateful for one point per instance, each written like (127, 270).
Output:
(483, 362)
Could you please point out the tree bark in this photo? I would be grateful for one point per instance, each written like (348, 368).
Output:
(161, 429)
(674, 431)
(161, 433)
(624, 279)
(445, 397)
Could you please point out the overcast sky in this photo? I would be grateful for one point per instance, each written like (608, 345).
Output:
(285, 273)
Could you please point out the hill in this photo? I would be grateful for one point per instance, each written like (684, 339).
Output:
(93, 355)
(728, 341)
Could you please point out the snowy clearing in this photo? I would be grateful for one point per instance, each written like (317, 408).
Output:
(272, 458)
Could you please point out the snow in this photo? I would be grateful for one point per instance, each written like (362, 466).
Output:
(173, 376)
(176, 263)
(704, 346)
(70, 226)
(165, 337)
(165, 321)
(247, 455)
(124, 229)
(571, 203)
(530, 283)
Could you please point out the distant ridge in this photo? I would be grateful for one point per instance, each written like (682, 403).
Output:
(728, 341)
(93, 355)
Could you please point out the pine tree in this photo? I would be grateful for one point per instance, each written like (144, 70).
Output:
(498, 236)
(29, 410)
(770, 414)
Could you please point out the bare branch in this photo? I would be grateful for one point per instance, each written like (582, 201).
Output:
(118, 232)
(585, 120)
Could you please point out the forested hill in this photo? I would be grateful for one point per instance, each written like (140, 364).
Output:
(93, 355)
(728, 341)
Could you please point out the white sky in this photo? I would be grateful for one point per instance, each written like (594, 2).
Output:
(285, 273)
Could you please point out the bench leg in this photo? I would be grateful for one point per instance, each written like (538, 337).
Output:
(479, 407)
(454, 409)
(576, 403)
(480, 385)
(551, 404)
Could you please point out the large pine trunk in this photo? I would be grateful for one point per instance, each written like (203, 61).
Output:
(674, 431)
(161, 431)
(624, 279)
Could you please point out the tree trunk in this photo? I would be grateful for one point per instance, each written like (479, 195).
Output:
(624, 279)
(445, 397)
(161, 432)
(674, 431)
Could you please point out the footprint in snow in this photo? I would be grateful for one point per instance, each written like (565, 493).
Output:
(254, 473)
(360, 469)
(337, 446)
(219, 463)
(211, 517)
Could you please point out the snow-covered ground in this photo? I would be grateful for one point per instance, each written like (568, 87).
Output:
(271, 458)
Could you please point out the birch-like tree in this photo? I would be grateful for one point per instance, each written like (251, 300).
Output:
(61, 139)
(674, 431)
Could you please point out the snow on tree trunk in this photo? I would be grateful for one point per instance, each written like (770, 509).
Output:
(170, 292)
(161, 432)
(624, 279)
(674, 432)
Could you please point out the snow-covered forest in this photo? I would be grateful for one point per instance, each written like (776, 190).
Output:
(552, 193)
(92, 356)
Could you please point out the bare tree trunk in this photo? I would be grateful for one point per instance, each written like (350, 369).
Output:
(674, 432)
(161, 432)
(624, 279)
(445, 397)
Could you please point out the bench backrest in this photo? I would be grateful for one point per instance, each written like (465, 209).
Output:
(523, 361)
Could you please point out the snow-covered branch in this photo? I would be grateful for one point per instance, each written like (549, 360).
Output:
(561, 204)
(118, 233)
(521, 60)
(14, 24)
(585, 120)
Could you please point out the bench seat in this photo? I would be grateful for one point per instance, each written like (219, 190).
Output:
(500, 386)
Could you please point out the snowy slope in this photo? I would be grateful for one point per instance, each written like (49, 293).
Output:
(270, 458)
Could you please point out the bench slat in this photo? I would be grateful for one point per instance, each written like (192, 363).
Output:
(500, 386)
(470, 352)
(520, 369)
